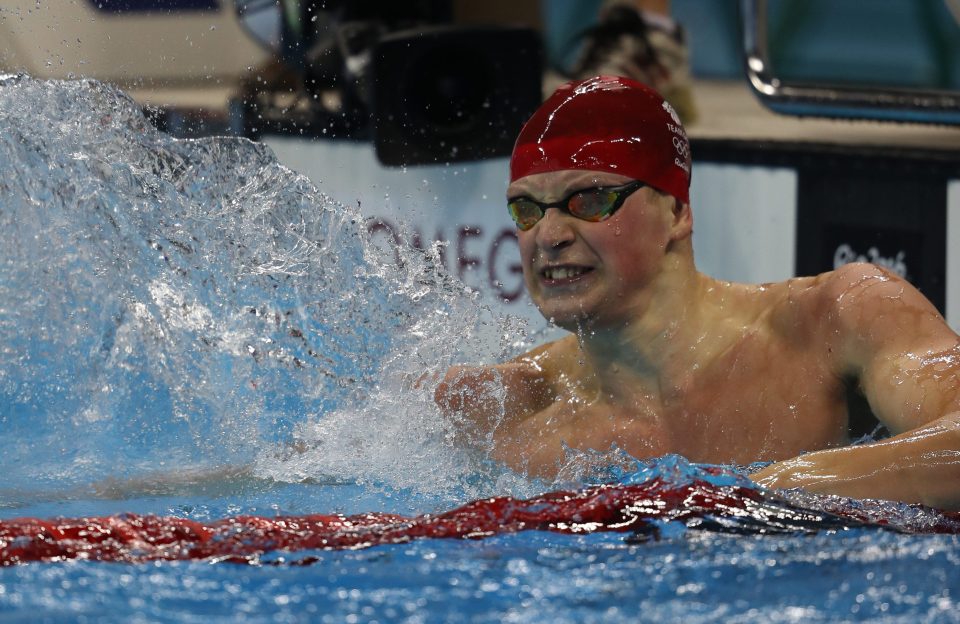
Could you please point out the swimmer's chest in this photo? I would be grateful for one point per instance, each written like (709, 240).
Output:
(759, 401)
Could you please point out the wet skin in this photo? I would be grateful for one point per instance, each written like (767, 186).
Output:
(663, 359)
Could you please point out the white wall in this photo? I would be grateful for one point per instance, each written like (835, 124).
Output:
(744, 222)
(953, 254)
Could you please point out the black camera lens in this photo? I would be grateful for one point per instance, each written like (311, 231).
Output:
(447, 89)
(454, 93)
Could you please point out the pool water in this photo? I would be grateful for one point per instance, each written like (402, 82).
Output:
(171, 307)
(538, 577)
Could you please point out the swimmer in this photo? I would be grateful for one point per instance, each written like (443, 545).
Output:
(661, 358)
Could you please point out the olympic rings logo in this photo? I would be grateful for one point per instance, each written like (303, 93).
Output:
(683, 148)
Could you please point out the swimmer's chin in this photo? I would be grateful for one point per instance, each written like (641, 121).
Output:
(574, 321)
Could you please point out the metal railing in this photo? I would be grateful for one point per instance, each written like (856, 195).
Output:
(889, 104)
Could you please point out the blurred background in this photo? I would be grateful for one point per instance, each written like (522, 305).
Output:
(823, 131)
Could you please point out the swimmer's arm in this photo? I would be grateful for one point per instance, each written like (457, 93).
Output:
(918, 466)
(908, 363)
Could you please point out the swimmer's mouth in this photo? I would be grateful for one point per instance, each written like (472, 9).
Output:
(563, 273)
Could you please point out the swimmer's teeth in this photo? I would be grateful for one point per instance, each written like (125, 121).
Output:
(558, 273)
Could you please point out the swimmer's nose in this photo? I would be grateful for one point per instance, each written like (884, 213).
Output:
(555, 230)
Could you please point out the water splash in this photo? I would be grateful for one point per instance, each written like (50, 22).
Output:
(171, 302)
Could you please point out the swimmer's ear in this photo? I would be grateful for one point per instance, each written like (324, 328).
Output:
(682, 225)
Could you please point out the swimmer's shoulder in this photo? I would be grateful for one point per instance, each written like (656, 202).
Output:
(804, 309)
(802, 297)
(546, 365)
(516, 388)
(846, 303)
(844, 297)
(552, 359)
(879, 312)
(553, 371)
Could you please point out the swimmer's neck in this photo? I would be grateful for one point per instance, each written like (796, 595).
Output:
(676, 329)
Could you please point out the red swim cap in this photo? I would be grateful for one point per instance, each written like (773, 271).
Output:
(607, 123)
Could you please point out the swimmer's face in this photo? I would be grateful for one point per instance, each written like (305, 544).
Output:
(579, 271)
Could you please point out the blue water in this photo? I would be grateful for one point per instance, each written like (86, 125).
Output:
(170, 307)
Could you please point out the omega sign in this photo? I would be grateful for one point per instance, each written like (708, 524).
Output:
(484, 259)
(845, 254)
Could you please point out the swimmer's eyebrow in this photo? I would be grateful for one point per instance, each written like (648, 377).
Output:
(517, 194)
(572, 190)
(563, 195)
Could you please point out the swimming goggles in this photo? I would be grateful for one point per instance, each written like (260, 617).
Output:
(592, 204)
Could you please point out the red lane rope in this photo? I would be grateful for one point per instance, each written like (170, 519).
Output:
(243, 539)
